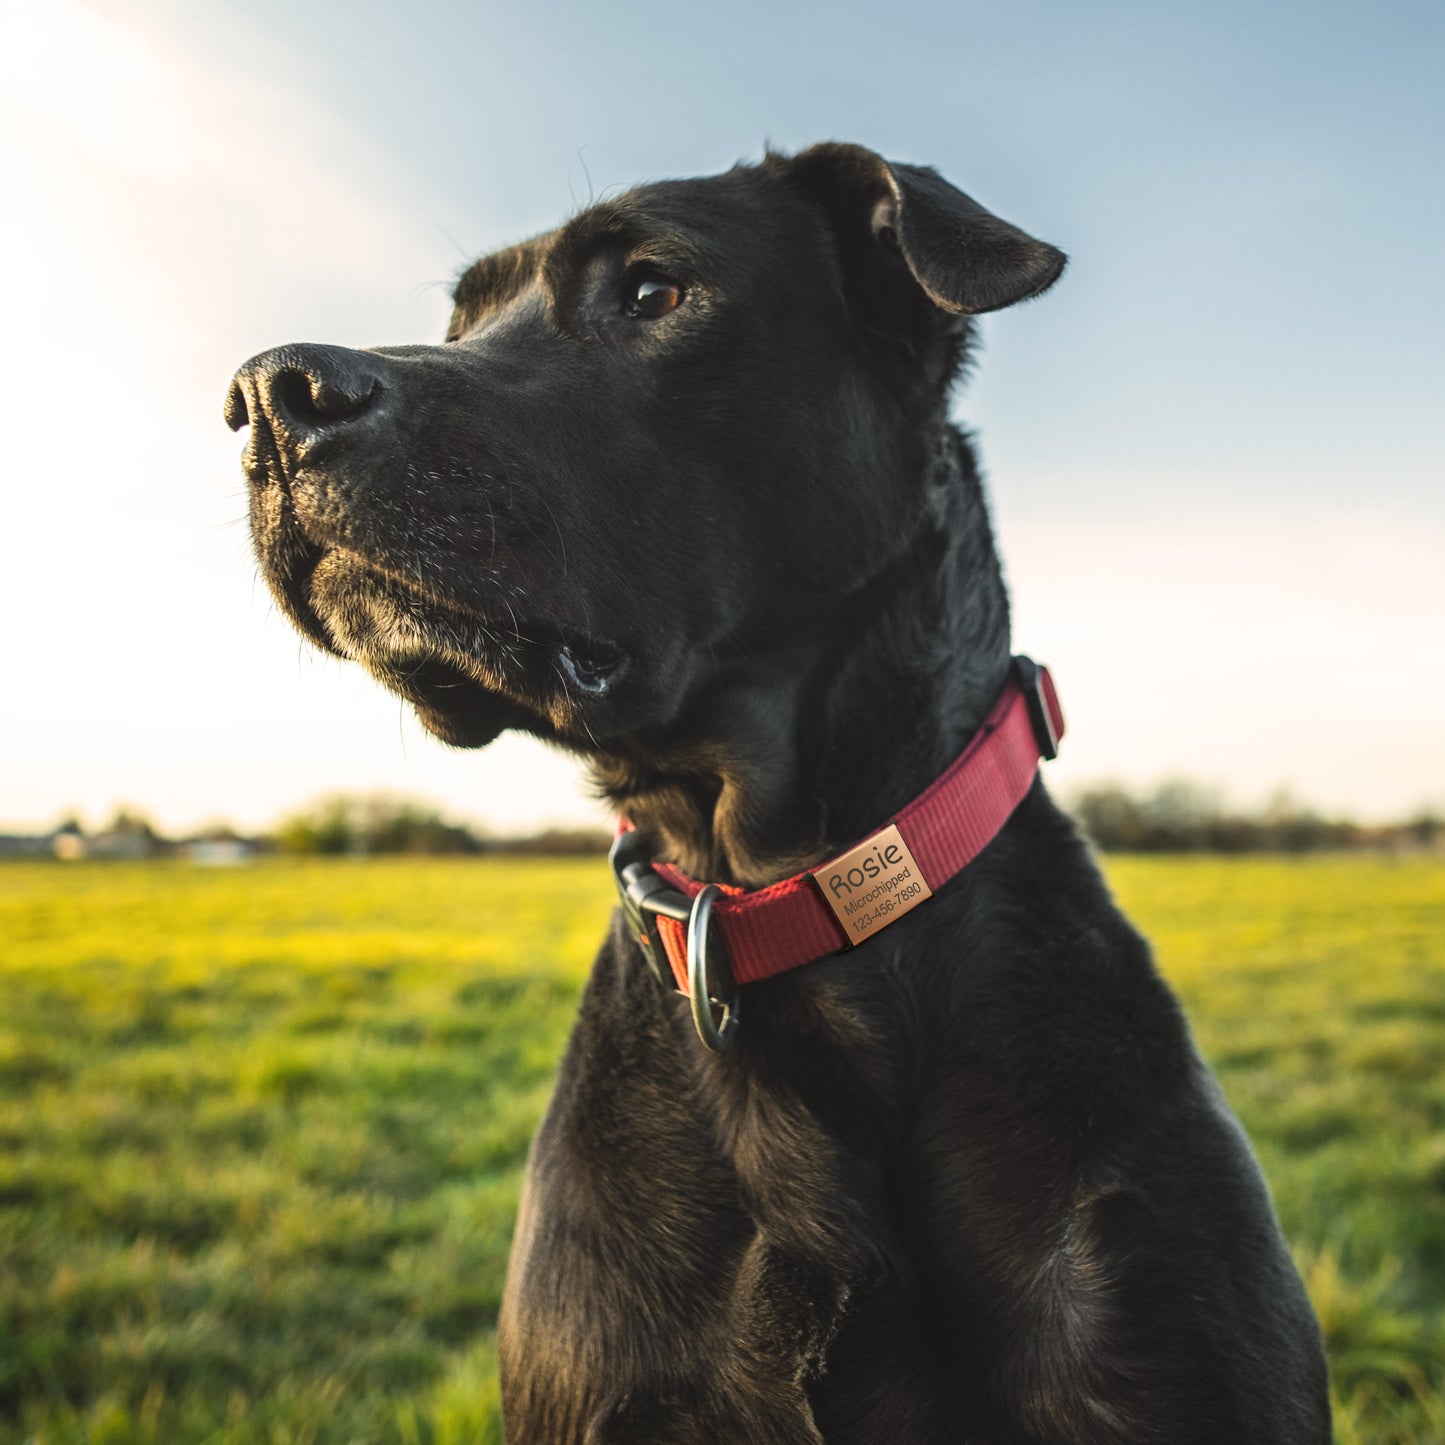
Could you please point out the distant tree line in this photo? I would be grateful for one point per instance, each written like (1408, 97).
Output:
(381, 823)
(1182, 817)
(372, 823)
(337, 824)
(1175, 817)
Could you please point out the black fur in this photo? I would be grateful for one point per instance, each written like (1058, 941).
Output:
(970, 1182)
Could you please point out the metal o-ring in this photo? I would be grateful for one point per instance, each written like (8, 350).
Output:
(715, 1031)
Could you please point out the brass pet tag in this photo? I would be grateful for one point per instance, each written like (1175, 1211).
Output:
(872, 885)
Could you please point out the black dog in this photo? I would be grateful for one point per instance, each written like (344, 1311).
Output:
(680, 492)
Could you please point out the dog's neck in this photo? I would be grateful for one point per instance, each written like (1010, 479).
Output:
(817, 737)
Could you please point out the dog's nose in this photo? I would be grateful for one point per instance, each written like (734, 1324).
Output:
(303, 393)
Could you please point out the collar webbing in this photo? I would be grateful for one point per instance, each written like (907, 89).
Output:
(845, 900)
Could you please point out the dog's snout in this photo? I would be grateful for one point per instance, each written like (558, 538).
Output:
(304, 392)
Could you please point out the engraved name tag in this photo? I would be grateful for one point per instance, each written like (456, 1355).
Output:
(870, 886)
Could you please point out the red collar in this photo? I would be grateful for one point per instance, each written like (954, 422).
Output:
(848, 899)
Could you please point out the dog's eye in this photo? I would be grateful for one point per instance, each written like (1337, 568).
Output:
(652, 296)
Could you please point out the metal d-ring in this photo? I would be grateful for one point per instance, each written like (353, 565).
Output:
(707, 967)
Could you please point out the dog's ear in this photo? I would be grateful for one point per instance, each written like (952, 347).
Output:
(965, 259)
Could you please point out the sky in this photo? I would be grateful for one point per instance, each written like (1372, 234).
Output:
(1213, 449)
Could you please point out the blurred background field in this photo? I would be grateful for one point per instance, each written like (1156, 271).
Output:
(261, 1129)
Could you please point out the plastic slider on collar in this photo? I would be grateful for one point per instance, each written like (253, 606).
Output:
(1030, 678)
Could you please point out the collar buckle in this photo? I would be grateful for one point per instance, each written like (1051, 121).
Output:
(644, 896)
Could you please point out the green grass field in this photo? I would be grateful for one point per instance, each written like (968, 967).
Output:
(261, 1132)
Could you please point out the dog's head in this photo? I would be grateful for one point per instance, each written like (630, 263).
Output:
(675, 432)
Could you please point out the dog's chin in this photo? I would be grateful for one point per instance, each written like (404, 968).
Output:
(469, 676)
(455, 706)
(450, 704)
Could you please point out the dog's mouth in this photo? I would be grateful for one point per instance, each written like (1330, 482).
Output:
(470, 668)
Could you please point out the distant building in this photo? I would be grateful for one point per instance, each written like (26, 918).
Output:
(19, 845)
(218, 852)
(125, 845)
